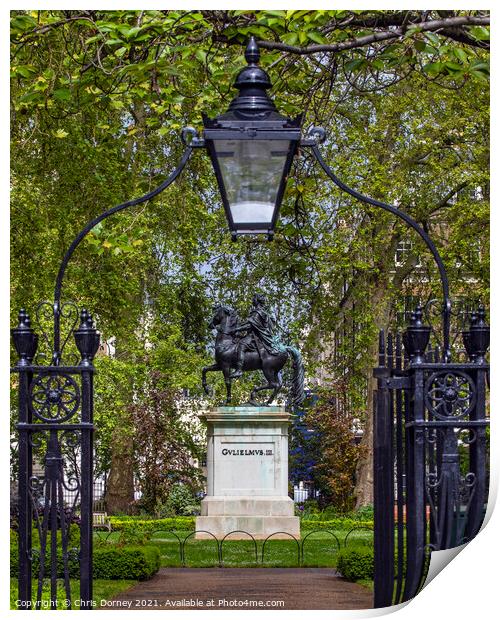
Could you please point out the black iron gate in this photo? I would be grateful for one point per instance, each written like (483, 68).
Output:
(430, 454)
(55, 416)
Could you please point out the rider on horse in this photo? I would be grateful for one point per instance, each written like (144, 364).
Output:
(259, 327)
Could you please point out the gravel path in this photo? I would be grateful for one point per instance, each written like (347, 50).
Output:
(244, 588)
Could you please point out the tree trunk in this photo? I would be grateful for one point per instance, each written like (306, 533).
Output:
(364, 472)
(120, 487)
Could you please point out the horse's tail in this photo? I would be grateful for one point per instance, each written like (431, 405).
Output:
(298, 376)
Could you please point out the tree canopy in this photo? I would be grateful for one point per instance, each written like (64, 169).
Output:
(98, 101)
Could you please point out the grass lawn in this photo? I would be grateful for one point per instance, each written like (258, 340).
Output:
(104, 589)
(320, 549)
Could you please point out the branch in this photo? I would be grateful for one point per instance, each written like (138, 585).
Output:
(429, 26)
(62, 22)
(444, 201)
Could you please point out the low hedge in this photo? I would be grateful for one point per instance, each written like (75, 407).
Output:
(73, 537)
(115, 562)
(334, 524)
(150, 525)
(188, 523)
(354, 564)
(110, 562)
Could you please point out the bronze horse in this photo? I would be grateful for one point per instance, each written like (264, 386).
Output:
(225, 321)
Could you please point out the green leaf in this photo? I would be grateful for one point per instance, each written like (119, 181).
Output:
(201, 55)
(290, 38)
(480, 75)
(60, 133)
(62, 94)
(31, 97)
(461, 54)
(316, 37)
(90, 40)
(480, 32)
(453, 66)
(26, 71)
(23, 22)
(355, 65)
(480, 65)
(433, 68)
(432, 37)
(114, 42)
(302, 37)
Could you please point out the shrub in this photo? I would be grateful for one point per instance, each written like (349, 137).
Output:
(73, 538)
(115, 562)
(334, 524)
(364, 513)
(150, 525)
(355, 563)
(73, 561)
(180, 501)
(334, 471)
(110, 562)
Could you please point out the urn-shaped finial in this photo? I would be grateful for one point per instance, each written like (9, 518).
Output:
(416, 337)
(25, 339)
(87, 338)
(477, 337)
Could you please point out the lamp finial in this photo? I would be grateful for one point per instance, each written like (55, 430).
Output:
(252, 54)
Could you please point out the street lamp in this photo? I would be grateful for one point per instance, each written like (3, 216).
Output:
(252, 147)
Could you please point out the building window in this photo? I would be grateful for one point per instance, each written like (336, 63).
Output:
(403, 251)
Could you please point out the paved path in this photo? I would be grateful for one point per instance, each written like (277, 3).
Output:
(243, 588)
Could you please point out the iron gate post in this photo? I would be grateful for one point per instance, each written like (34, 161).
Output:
(24, 477)
(87, 489)
(383, 466)
(415, 483)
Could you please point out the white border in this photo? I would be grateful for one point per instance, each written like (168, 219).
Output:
(469, 586)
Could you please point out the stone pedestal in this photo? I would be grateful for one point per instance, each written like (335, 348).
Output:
(247, 473)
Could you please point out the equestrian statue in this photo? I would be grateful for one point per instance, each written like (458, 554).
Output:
(253, 345)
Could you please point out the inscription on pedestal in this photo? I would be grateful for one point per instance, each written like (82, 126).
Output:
(246, 452)
(245, 466)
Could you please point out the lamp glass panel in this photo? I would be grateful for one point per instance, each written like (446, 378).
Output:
(252, 172)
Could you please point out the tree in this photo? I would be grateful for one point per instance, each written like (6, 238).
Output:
(334, 473)
(166, 445)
